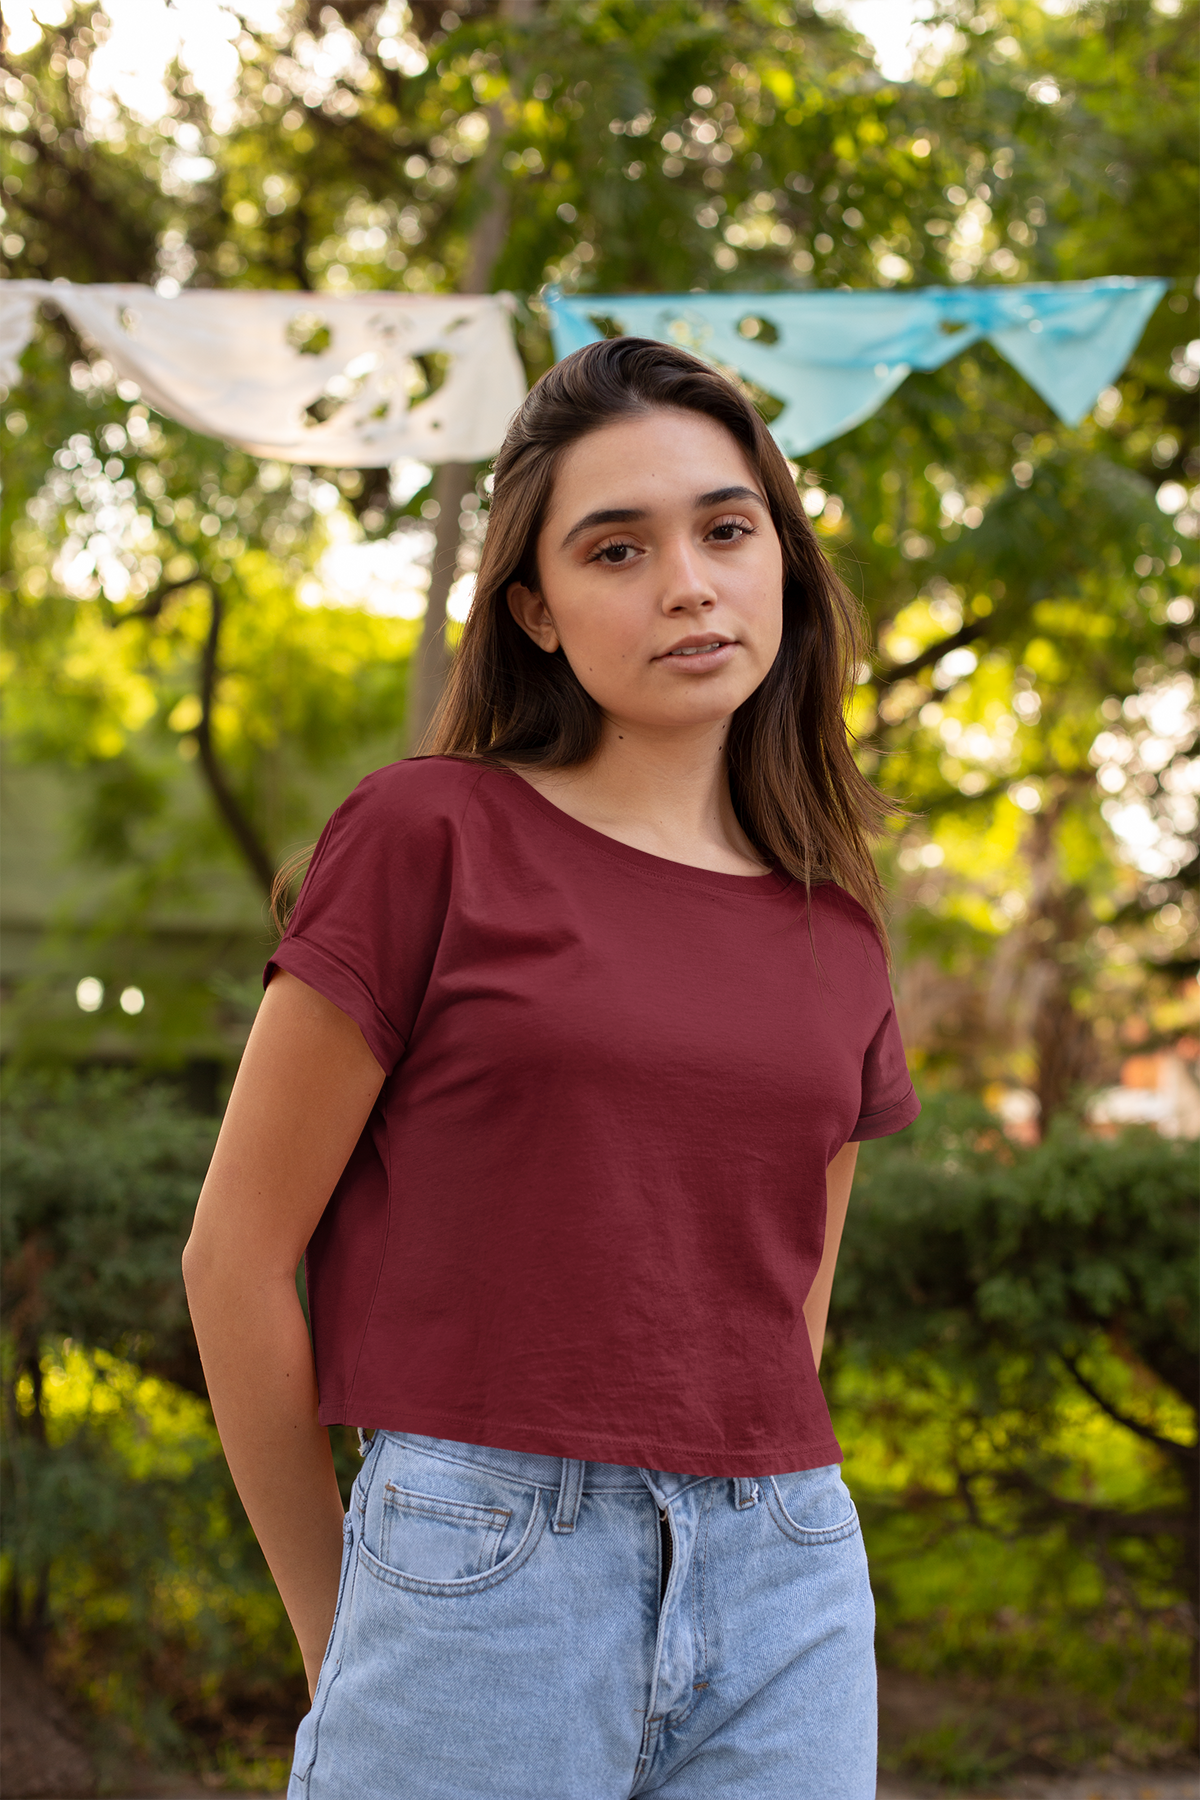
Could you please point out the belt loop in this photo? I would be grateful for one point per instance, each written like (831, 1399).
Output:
(745, 1492)
(569, 1490)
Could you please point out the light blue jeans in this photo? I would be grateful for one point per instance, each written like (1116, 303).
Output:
(502, 1633)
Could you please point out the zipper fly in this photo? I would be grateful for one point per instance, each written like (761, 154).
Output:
(668, 1552)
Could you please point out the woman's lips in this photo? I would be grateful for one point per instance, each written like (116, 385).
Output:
(698, 657)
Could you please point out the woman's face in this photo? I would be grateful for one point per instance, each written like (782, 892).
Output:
(660, 569)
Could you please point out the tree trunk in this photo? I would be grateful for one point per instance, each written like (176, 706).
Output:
(258, 858)
(1059, 921)
(27, 1605)
(1191, 1584)
(431, 659)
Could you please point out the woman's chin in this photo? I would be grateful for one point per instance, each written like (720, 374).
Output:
(701, 714)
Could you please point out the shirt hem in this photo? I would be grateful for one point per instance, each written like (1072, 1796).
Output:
(585, 1446)
(343, 988)
(890, 1119)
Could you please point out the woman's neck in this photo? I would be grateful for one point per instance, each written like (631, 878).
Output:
(665, 792)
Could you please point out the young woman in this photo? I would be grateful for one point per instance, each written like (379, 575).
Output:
(558, 1083)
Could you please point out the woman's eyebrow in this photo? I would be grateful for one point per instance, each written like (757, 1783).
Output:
(625, 515)
(611, 515)
(720, 496)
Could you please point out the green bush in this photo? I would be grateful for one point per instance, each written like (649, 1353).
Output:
(128, 1562)
(1010, 1352)
(101, 1174)
(1011, 1368)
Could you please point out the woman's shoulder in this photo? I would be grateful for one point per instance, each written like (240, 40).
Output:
(420, 787)
(838, 907)
(407, 814)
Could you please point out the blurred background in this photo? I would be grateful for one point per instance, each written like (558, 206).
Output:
(204, 651)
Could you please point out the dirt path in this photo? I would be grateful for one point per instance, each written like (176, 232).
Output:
(1072, 1787)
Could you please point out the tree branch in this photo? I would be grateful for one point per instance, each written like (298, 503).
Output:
(1104, 1521)
(1171, 1445)
(260, 862)
(153, 604)
(965, 635)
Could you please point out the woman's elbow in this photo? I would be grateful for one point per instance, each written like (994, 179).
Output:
(223, 1267)
(203, 1265)
(195, 1264)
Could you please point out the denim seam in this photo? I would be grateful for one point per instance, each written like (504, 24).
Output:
(802, 1535)
(492, 1518)
(345, 1596)
(472, 1584)
(526, 1483)
(704, 1583)
(365, 1476)
(652, 1729)
(684, 1713)
(680, 1492)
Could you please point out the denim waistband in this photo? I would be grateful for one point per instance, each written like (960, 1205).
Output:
(548, 1471)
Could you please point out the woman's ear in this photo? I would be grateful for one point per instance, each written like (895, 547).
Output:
(531, 614)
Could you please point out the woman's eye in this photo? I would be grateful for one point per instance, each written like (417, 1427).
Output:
(613, 554)
(730, 530)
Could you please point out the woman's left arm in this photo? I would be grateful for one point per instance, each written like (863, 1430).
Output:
(838, 1178)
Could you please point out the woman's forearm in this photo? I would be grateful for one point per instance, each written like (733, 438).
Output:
(259, 1368)
(303, 1093)
(839, 1178)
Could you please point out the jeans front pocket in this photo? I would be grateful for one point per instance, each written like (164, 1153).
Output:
(812, 1506)
(438, 1539)
(438, 1523)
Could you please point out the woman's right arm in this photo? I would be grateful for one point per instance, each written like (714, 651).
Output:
(304, 1090)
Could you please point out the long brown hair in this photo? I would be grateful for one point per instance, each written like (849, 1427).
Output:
(797, 791)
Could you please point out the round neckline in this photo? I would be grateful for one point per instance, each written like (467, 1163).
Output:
(660, 868)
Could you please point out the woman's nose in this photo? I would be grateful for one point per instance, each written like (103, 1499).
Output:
(686, 583)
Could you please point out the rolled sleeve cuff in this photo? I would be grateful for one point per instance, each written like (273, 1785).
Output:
(345, 989)
(892, 1118)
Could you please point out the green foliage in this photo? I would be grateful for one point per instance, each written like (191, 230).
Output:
(1058, 1638)
(610, 146)
(965, 1243)
(127, 1553)
(125, 1547)
(1013, 1330)
(1013, 1368)
(780, 122)
(101, 1178)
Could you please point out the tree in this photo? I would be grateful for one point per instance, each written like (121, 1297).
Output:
(1050, 607)
(172, 614)
(346, 154)
(1026, 584)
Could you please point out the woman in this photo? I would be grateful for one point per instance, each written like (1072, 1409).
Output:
(559, 1077)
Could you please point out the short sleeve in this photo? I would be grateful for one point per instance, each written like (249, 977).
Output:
(888, 1101)
(368, 921)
